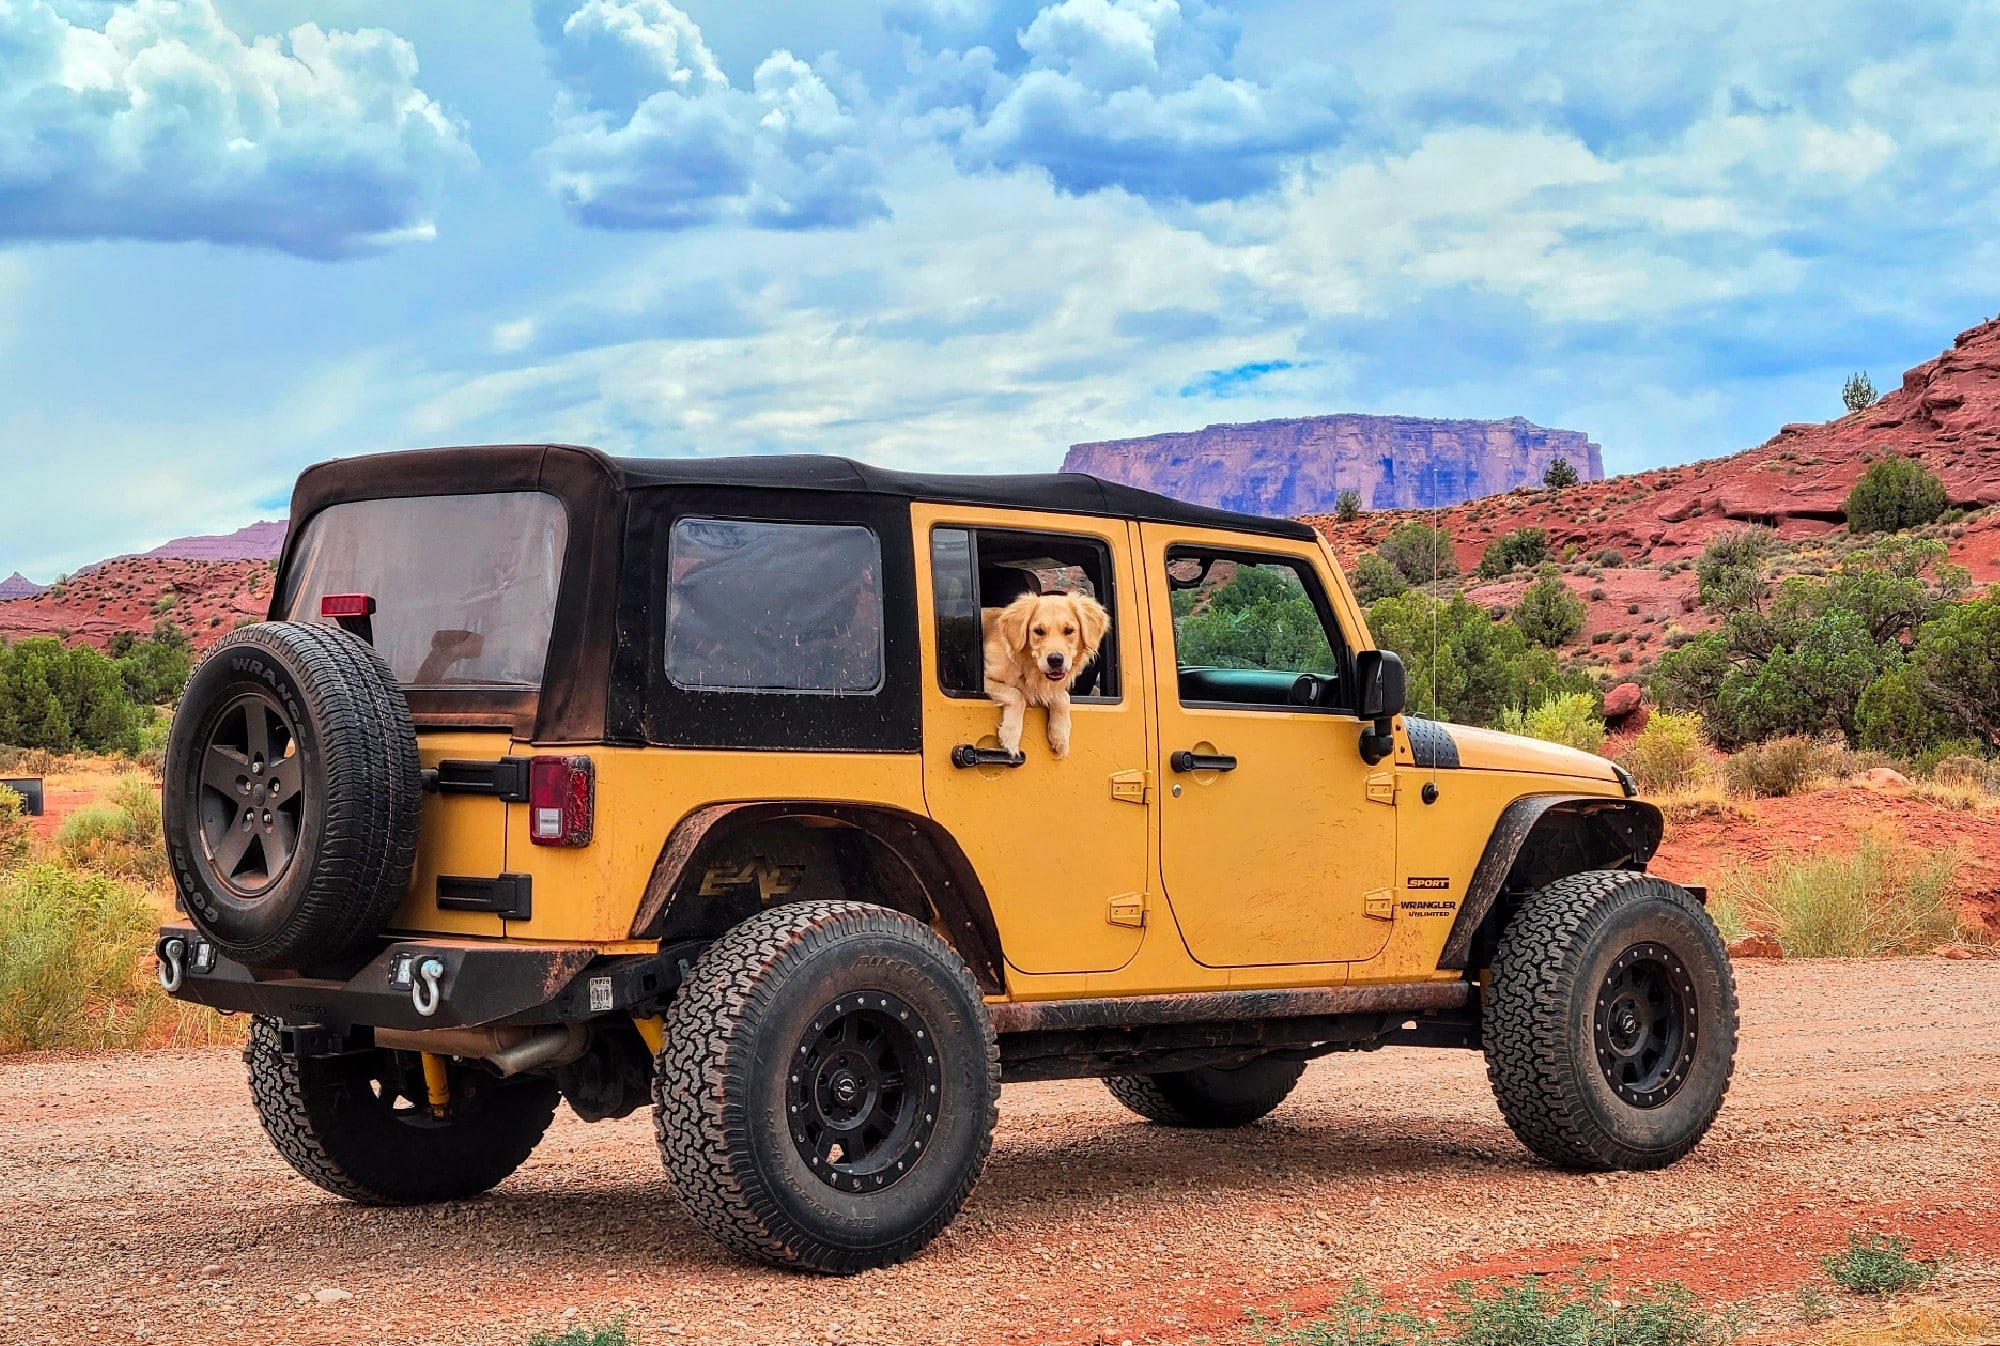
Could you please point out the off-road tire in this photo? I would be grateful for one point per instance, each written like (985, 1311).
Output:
(721, 1106)
(1212, 1096)
(359, 790)
(324, 1117)
(1542, 1055)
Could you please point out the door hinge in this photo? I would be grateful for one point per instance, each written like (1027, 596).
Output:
(1380, 904)
(1127, 909)
(1132, 787)
(1382, 787)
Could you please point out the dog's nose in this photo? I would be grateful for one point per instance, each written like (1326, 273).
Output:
(1055, 661)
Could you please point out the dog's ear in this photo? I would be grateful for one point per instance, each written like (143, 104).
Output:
(1014, 620)
(1093, 620)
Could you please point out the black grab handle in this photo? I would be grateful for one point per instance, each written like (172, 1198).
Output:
(1185, 761)
(966, 755)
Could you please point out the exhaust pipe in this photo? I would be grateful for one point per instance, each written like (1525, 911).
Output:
(509, 1050)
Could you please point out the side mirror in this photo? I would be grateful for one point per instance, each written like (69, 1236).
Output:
(1382, 691)
(1383, 687)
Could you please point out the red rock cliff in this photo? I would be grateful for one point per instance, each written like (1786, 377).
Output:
(1301, 466)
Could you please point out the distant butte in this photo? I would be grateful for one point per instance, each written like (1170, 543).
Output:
(1293, 467)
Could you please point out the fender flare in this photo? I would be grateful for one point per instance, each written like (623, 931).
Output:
(929, 869)
(1625, 833)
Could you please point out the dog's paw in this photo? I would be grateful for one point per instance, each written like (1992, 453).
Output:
(1059, 747)
(1010, 744)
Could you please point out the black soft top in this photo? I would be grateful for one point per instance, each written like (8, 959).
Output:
(519, 466)
(1058, 492)
(617, 509)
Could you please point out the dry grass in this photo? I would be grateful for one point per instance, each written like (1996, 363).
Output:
(121, 838)
(1923, 1325)
(72, 947)
(1785, 766)
(1888, 897)
(1705, 800)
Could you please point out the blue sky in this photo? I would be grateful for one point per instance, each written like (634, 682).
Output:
(239, 236)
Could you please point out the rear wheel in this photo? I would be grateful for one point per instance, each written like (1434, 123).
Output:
(1212, 1096)
(1610, 1022)
(360, 1126)
(827, 1090)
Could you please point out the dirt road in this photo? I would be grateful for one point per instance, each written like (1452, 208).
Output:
(138, 1201)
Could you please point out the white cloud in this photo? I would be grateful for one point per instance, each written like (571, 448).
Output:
(164, 124)
(651, 134)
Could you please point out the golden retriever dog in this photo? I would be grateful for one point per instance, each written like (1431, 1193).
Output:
(1036, 647)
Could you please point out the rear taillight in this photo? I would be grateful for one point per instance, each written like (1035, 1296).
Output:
(335, 606)
(562, 801)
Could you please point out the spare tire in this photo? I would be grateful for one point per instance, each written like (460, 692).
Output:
(291, 795)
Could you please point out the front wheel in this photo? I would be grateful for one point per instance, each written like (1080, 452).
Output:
(828, 1087)
(1210, 1096)
(1610, 1022)
(359, 1124)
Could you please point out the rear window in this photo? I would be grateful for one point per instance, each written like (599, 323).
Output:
(464, 585)
(774, 607)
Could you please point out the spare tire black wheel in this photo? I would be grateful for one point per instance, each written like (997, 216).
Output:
(291, 795)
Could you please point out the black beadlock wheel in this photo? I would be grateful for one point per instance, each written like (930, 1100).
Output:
(360, 1125)
(291, 795)
(828, 1086)
(1211, 1096)
(1610, 1022)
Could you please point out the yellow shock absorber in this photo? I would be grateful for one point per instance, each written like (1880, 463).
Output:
(653, 1030)
(437, 1083)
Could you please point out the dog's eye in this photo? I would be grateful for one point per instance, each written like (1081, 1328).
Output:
(1041, 630)
(1069, 630)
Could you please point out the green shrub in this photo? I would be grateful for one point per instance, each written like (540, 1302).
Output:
(1894, 494)
(1610, 558)
(1876, 1264)
(64, 699)
(1668, 755)
(122, 838)
(1781, 767)
(1347, 506)
(1461, 664)
(1858, 393)
(1419, 552)
(1375, 578)
(15, 829)
(1957, 655)
(1524, 548)
(613, 1333)
(70, 951)
(1559, 475)
(1571, 720)
(1358, 1318)
(1549, 613)
(1887, 897)
(1535, 1311)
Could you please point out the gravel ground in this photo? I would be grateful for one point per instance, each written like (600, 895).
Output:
(139, 1201)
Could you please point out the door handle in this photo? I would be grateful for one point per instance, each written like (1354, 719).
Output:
(968, 755)
(1185, 761)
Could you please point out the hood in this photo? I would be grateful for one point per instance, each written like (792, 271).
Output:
(1491, 750)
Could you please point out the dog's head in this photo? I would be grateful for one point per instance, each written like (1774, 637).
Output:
(1055, 634)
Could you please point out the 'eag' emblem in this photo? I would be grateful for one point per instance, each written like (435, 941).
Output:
(771, 880)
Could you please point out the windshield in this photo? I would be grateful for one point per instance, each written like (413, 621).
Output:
(464, 585)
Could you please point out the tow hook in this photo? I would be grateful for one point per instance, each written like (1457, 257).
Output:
(172, 954)
(424, 991)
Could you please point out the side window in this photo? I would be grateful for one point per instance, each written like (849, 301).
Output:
(984, 568)
(774, 607)
(1252, 630)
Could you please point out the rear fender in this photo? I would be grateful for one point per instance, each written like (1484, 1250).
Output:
(724, 863)
(1537, 840)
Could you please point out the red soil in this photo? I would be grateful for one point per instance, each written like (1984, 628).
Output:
(210, 599)
(1700, 850)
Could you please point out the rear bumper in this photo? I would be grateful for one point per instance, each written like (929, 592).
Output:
(477, 982)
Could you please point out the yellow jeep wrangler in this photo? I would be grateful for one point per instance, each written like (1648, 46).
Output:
(554, 777)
